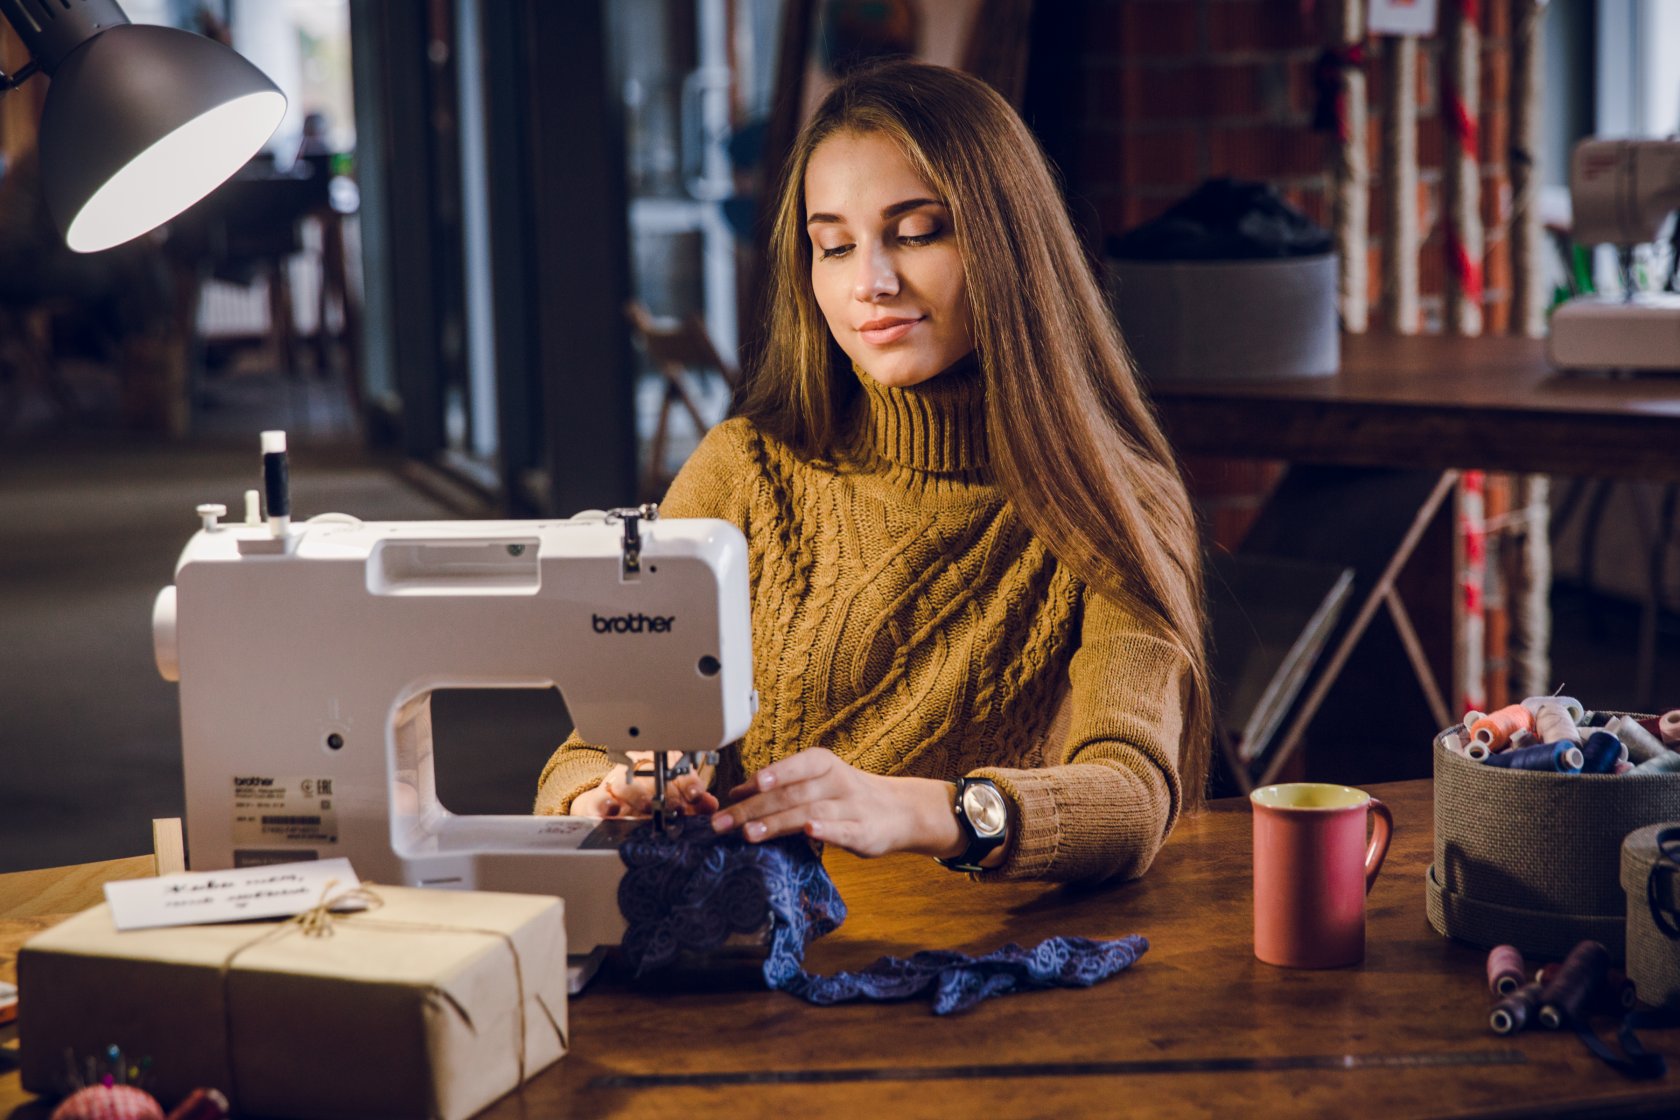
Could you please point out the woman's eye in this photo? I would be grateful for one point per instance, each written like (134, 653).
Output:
(828, 252)
(919, 234)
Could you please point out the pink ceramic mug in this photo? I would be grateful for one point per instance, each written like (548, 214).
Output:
(1312, 869)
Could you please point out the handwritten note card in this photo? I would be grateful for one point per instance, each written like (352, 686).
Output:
(204, 897)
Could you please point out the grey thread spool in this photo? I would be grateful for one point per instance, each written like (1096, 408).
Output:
(1641, 744)
(1667, 763)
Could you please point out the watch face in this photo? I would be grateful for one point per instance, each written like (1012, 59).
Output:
(985, 809)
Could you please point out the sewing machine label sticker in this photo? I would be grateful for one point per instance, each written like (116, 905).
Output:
(270, 811)
(201, 897)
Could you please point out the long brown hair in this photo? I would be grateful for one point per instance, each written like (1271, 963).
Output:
(1075, 446)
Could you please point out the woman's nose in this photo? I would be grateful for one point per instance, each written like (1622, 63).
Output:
(876, 276)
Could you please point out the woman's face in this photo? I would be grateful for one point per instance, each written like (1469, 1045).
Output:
(884, 261)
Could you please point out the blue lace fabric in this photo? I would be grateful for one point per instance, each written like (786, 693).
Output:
(692, 889)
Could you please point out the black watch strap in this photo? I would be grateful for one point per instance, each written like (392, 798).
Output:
(980, 845)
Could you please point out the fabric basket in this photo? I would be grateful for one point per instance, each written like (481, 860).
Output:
(1533, 859)
(1653, 957)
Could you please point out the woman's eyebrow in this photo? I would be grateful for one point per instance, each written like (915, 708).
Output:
(890, 212)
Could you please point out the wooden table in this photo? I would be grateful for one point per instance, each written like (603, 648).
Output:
(1437, 402)
(1198, 994)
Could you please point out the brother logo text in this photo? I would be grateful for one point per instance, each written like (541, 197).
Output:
(634, 624)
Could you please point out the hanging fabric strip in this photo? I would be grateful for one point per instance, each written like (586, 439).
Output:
(1461, 177)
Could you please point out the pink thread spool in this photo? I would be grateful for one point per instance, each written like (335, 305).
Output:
(1669, 727)
(1504, 970)
(202, 1104)
(1494, 730)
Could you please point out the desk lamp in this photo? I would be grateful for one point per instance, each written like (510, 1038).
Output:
(140, 121)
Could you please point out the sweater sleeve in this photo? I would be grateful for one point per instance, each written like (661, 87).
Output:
(1103, 810)
(710, 484)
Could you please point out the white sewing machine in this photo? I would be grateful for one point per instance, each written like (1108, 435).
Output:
(1622, 191)
(307, 654)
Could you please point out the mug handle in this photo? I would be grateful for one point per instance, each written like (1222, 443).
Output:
(1381, 831)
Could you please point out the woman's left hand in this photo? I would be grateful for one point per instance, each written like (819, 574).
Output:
(816, 793)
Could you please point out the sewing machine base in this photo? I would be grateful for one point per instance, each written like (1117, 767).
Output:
(1609, 333)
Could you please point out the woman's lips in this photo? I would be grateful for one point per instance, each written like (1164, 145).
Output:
(882, 332)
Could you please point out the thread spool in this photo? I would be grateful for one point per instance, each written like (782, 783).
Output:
(1666, 763)
(1641, 744)
(1494, 730)
(1577, 712)
(202, 1104)
(1619, 994)
(1453, 738)
(1516, 1010)
(1523, 738)
(1562, 758)
(1476, 752)
(1601, 752)
(1554, 721)
(1504, 970)
(1622, 768)
(1616, 995)
(1578, 981)
(1668, 725)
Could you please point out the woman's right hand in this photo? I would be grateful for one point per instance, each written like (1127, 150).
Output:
(620, 795)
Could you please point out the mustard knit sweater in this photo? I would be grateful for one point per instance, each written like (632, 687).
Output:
(905, 618)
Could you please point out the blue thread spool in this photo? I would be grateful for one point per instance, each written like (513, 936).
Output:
(1601, 752)
(1562, 758)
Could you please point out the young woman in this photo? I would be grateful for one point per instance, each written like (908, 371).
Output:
(977, 622)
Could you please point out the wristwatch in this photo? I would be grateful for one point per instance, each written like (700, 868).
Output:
(983, 817)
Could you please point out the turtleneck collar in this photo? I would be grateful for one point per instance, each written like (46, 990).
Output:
(938, 426)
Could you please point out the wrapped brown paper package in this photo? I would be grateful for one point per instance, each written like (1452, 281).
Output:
(373, 1021)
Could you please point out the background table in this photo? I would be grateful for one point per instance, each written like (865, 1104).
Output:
(1197, 995)
(1438, 402)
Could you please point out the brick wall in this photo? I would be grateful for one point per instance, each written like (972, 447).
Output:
(1169, 93)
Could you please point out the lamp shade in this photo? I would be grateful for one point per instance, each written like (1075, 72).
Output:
(141, 122)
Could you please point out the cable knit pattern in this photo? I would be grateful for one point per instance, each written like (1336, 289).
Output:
(905, 618)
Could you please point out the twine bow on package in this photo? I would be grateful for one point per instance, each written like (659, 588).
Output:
(435, 1004)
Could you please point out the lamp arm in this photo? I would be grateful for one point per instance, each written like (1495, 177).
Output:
(9, 82)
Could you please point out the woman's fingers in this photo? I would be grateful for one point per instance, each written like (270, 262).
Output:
(686, 793)
(779, 799)
(813, 762)
(628, 792)
(791, 821)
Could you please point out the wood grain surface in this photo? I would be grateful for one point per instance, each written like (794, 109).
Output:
(1437, 402)
(1198, 994)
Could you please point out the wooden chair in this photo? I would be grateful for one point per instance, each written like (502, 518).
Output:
(27, 362)
(672, 347)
